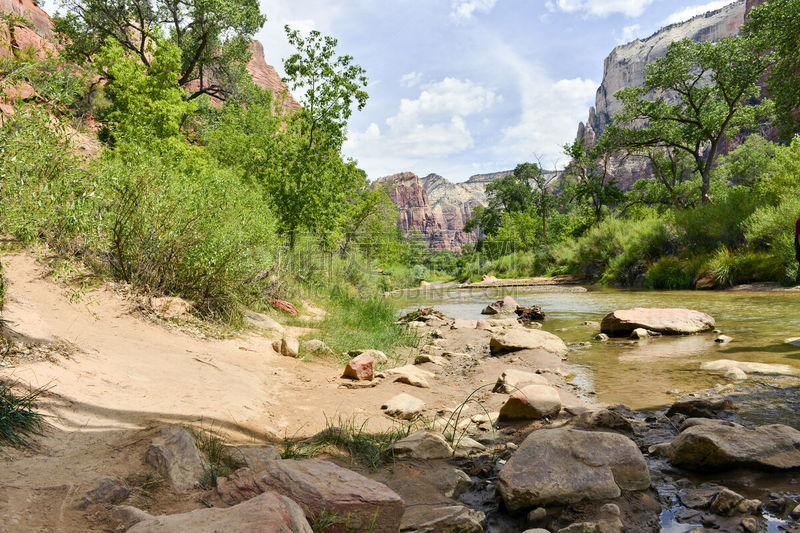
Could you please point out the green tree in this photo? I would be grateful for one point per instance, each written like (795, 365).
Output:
(329, 85)
(692, 99)
(541, 184)
(775, 27)
(594, 184)
(145, 101)
(213, 36)
(511, 193)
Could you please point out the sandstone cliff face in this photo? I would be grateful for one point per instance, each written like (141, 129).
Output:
(624, 67)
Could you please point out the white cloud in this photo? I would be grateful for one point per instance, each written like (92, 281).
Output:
(411, 79)
(464, 9)
(600, 8)
(551, 110)
(629, 33)
(433, 125)
(693, 11)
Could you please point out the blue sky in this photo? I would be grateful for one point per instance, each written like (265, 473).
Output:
(461, 87)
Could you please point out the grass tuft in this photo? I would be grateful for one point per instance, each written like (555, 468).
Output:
(220, 461)
(19, 421)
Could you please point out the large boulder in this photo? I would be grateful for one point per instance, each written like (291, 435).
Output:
(712, 445)
(353, 502)
(530, 314)
(516, 339)
(506, 305)
(442, 518)
(665, 321)
(266, 512)
(532, 402)
(360, 368)
(175, 456)
(726, 365)
(561, 466)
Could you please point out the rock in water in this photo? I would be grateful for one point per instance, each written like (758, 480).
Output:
(175, 456)
(520, 338)
(532, 402)
(724, 365)
(561, 466)
(506, 305)
(711, 445)
(265, 512)
(666, 321)
(530, 314)
(353, 502)
(701, 407)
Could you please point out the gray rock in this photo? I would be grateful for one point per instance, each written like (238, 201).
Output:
(701, 407)
(467, 447)
(532, 402)
(262, 322)
(516, 339)
(666, 321)
(736, 374)
(512, 380)
(126, 516)
(603, 419)
(254, 455)
(266, 512)
(412, 375)
(717, 446)
(601, 337)
(404, 406)
(443, 519)
(537, 515)
(423, 445)
(317, 347)
(723, 365)
(561, 466)
(290, 347)
(640, 334)
(461, 484)
(600, 526)
(723, 339)
(108, 490)
(175, 456)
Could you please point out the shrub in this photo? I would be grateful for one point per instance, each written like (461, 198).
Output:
(670, 273)
(177, 224)
(735, 267)
(771, 229)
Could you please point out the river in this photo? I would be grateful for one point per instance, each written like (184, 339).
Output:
(646, 374)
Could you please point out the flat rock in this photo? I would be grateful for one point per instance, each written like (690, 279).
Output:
(424, 444)
(724, 365)
(442, 519)
(266, 512)
(437, 360)
(701, 407)
(561, 466)
(516, 339)
(467, 447)
(175, 456)
(463, 323)
(404, 406)
(609, 525)
(512, 380)
(736, 374)
(360, 368)
(354, 502)
(666, 321)
(108, 490)
(412, 375)
(718, 446)
(603, 420)
(255, 456)
(532, 402)
(794, 341)
(262, 322)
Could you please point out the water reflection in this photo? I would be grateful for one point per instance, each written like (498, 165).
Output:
(642, 375)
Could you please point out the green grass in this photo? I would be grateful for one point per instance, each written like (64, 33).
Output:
(20, 424)
(220, 462)
(368, 449)
(356, 322)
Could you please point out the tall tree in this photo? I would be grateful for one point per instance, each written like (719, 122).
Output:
(213, 35)
(692, 99)
(594, 182)
(512, 193)
(775, 27)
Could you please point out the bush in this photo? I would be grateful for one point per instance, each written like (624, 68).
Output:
(671, 273)
(177, 224)
(741, 266)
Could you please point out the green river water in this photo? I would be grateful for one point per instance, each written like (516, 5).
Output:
(647, 374)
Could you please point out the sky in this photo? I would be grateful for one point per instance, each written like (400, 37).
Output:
(463, 87)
